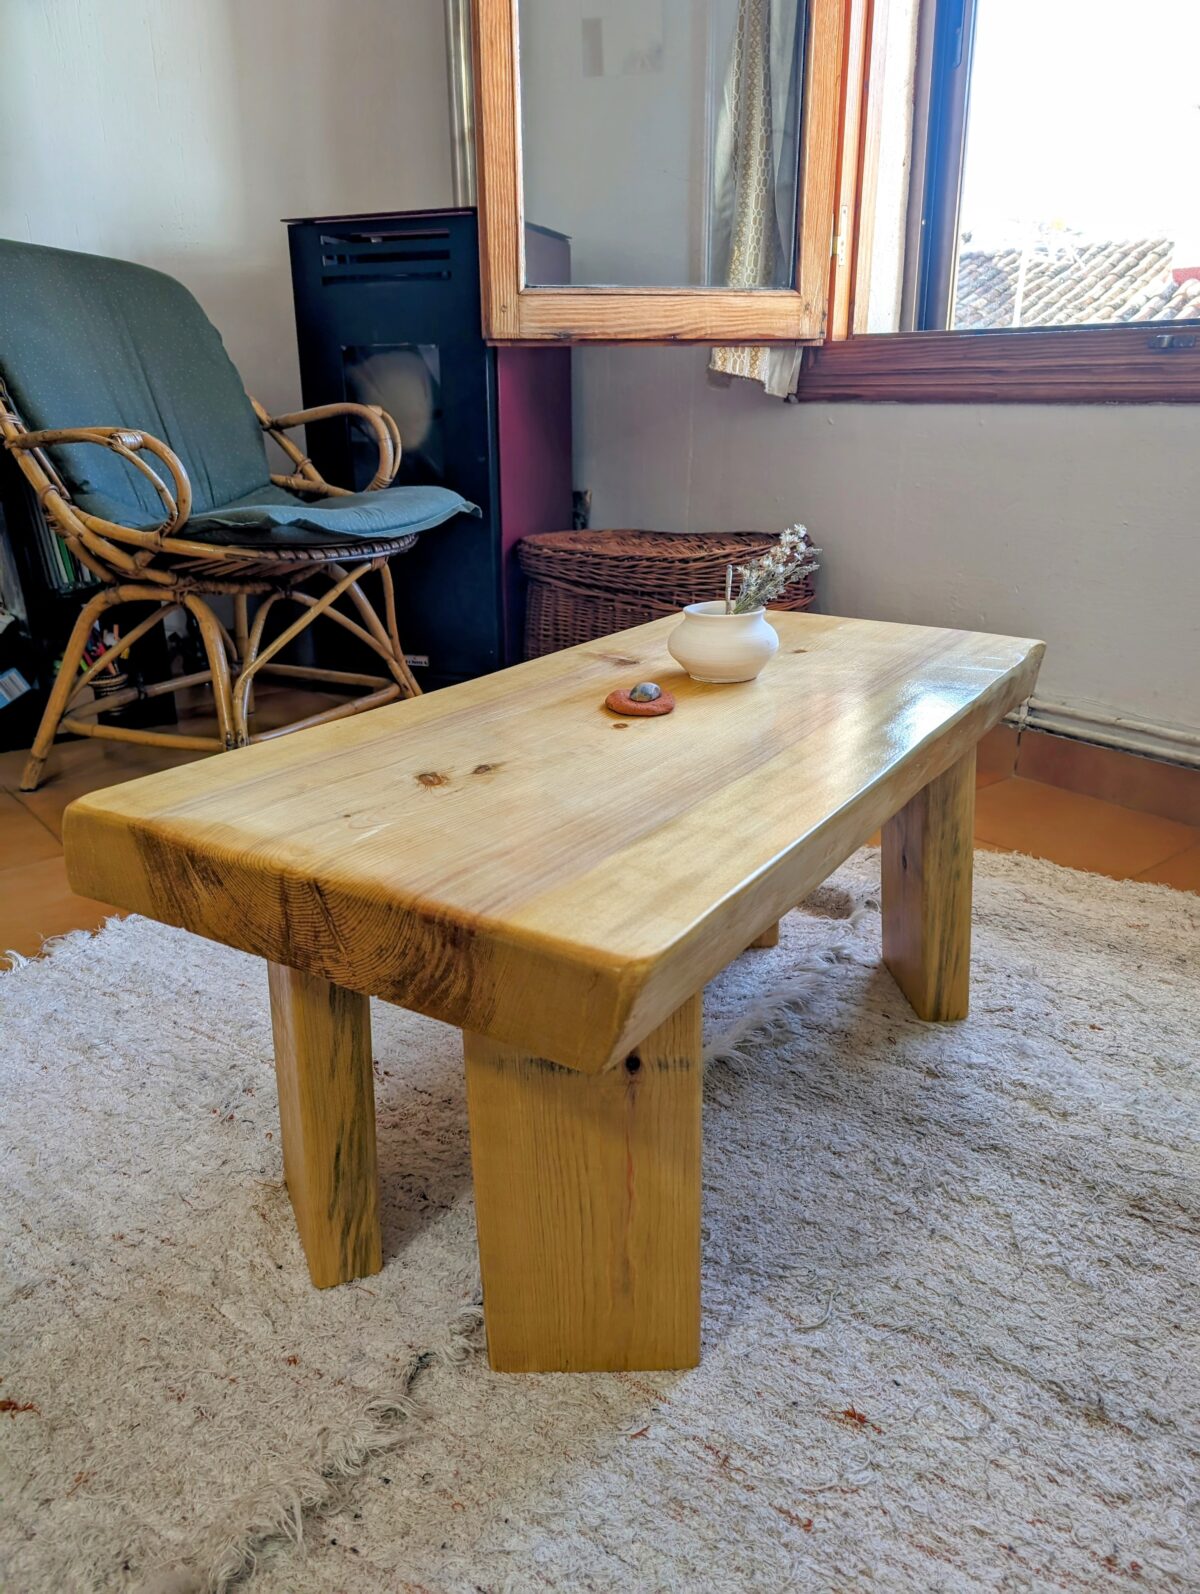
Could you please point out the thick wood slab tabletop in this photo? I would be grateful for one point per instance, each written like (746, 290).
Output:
(508, 856)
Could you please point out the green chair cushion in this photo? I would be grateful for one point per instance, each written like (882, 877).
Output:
(88, 341)
(272, 516)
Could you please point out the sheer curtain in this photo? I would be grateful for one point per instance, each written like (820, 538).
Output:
(754, 189)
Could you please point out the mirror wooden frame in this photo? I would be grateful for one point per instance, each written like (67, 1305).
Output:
(516, 313)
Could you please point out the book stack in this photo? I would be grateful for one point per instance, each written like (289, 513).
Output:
(62, 570)
(12, 599)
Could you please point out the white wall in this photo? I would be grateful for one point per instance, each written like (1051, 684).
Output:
(1077, 524)
(639, 129)
(178, 132)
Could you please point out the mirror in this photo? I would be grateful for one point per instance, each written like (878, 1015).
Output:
(663, 138)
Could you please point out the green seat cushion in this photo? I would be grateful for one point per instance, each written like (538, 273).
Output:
(88, 341)
(272, 516)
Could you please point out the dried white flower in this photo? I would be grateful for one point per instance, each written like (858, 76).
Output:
(791, 559)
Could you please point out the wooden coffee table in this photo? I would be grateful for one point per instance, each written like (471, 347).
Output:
(507, 856)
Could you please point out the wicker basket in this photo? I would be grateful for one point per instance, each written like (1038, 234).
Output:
(585, 584)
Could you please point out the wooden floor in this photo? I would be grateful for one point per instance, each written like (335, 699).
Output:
(1152, 834)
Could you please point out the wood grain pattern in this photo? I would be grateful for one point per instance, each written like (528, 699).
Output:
(587, 1191)
(1079, 365)
(327, 1118)
(497, 146)
(495, 856)
(928, 852)
(667, 315)
(872, 99)
(513, 312)
(851, 153)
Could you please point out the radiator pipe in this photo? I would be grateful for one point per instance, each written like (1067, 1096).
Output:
(1171, 743)
(1118, 722)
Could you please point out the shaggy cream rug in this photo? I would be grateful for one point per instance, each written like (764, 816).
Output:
(950, 1288)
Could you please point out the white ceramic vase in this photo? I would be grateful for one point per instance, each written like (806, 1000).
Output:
(722, 648)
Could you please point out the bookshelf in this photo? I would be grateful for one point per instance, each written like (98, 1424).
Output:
(44, 589)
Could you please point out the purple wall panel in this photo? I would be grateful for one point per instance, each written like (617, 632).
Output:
(534, 426)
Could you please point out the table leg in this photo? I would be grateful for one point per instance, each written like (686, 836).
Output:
(928, 850)
(587, 1196)
(327, 1117)
(767, 939)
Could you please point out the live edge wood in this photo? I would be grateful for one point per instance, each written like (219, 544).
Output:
(327, 1119)
(928, 851)
(587, 1195)
(495, 856)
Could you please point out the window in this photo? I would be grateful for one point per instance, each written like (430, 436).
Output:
(686, 150)
(1026, 229)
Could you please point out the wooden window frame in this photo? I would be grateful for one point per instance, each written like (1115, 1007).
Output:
(516, 313)
(1075, 365)
(1144, 363)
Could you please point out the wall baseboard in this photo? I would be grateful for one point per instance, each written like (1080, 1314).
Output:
(1135, 780)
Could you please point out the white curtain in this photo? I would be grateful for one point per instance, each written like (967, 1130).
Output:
(754, 197)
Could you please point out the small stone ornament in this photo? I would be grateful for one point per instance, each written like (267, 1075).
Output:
(645, 700)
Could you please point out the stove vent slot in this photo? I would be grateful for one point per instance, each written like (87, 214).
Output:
(408, 255)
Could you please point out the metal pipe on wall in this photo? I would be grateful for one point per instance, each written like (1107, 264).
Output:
(1171, 743)
(460, 80)
(1117, 723)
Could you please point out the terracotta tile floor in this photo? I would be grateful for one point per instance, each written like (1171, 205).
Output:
(1083, 832)
(1012, 814)
(35, 900)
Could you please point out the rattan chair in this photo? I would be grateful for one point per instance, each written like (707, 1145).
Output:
(130, 423)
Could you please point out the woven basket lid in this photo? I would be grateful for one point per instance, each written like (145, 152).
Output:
(630, 561)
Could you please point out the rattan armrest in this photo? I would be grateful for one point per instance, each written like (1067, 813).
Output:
(129, 445)
(376, 420)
